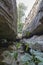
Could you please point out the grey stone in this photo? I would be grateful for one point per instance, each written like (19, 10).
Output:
(35, 42)
(8, 19)
(34, 22)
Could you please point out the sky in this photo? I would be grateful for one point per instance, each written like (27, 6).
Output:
(28, 4)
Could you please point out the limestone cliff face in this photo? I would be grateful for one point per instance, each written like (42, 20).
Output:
(8, 19)
(34, 23)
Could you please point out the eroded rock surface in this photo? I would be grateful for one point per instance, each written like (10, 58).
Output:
(35, 42)
(8, 19)
(33, 27)
(34, 23)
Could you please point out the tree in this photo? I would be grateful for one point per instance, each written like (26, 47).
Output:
(21, 13)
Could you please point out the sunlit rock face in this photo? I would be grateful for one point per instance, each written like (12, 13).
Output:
(8, 19)
(34, 21)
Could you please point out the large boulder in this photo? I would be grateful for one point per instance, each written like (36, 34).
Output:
(35, 42)
(8, 19)
(34, 22)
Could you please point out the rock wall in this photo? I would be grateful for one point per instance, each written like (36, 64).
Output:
(8, 19)
(33, 27)
(34, 23)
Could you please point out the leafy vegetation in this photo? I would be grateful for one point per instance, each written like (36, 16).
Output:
(32, 59)
(21, 13)
(27, 34)
(18, 45)
(35, 58)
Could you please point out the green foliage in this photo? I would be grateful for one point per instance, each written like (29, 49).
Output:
(27, 47)
(34, 58)
(21, 13)
(20, 27)
(18, 45)
(26, 63)
(27, 34)
(15, 55)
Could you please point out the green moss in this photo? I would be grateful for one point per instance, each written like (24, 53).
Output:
(27, 34)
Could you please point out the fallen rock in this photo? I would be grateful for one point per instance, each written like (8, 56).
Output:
(38, 47)
(35, 42)
(12, 47)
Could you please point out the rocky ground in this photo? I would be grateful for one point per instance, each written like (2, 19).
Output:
(35, 42)
(6, 55)
(11, 53)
